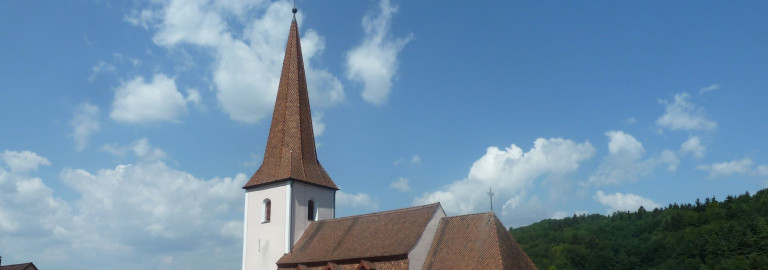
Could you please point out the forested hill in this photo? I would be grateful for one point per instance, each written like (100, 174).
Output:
(728, 234)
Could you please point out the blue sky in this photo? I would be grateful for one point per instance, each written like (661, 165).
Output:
(129, 127)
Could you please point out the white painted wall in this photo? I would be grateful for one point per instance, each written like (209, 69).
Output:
(264, 243)
(418, 253)
(302, 193)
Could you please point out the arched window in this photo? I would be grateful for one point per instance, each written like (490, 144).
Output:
(311, 210)
(266, 211)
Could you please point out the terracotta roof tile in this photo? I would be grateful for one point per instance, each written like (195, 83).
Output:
(387, 264)
(290, 152)
(477, 241)
(375, 235)
(21, 266)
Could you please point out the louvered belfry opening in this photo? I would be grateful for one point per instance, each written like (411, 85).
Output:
(290, 153)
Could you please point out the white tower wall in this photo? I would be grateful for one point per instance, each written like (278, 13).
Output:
(264, 242)
(324, 202)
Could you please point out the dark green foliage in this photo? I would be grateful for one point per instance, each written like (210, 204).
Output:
(729, 234)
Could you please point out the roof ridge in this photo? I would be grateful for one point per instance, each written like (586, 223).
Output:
(379, 213)
(496, 237)
(472, 214)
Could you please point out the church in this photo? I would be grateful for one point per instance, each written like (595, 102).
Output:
(290, 208)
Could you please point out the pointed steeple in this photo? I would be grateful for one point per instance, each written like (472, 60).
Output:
(290, 152)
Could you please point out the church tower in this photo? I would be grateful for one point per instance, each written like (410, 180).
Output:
(290, 189)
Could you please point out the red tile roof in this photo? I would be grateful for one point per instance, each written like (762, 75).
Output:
(290, 152)
(366, 237)
(21, 266)
(385, 264)
(477, 241)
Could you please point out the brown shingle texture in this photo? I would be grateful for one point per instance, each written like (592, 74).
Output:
(290, 151)
(393, 264)
(477, 241)
(22, 266)
(370, 236)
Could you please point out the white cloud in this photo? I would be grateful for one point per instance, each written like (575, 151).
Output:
(669, 158)
(415, 159)
(100, 68)
(563, 214)
(560, 215)
(624, 202)
(146, 210)
(742, 166)
(629, 121)
(511, 173)
(318, 126)
(625, 161)
(145, 151)
(24, 161)
(374, 62)
(193, 97)
(137, 101)
(683, 115)
(246, 67)
(84, 124)
(143, 18)
(401, 184)
(693, 146)
(253, 162)
(709, 88)
(356, 200)
(141, 148)
(762, 170)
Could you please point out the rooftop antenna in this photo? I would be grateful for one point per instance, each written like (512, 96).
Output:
(490, 194)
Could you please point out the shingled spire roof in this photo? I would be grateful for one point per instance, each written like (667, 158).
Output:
(290, 152)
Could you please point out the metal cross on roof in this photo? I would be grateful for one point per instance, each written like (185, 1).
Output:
(490, 194)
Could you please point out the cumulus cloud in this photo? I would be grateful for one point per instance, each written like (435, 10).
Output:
(624, 202)
(374, 62)
(27, 204)
(137, 101)
(84, 124)
(625, 160)
(681, 114)
(356, 200)
(248, 54)
(693, 146)
(742, 166)
(401, 184)
(23, 161)
(146, 210)
(511, 173)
